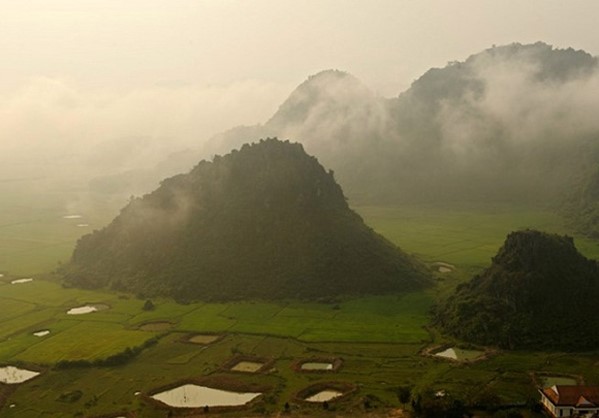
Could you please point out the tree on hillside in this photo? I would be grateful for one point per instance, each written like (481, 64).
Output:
(149, 305)
(404, 393)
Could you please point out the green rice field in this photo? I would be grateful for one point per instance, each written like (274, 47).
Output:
(378, 338)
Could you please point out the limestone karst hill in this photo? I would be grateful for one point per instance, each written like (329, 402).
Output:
(538, 292)
(266, 221)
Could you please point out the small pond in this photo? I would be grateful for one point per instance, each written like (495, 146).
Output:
(456, 353)
(315, 365)
(557, 380)
(12, 375)
(42, 333)
(72, 216)
(444, 267)
(19, 281)
(194, 396)
(247, 366)
(81, 310)
(324, 395)
(203, 339)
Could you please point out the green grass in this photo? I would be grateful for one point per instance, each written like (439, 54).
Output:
(465, 235)
(82, 341)
(34, 236)
(378, 337)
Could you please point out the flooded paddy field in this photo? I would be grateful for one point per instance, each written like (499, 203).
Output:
(325, 392)
(458, 354)
(88, 308)
(324, 396)
(21, 281)
(315, 364)
(196, 396)
(14, 375)
(247, 366)
(203, 339)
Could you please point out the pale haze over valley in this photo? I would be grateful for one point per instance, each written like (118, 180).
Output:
(118, 85)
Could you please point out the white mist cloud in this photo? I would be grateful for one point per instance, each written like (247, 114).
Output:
(517, 109)
(51, 119)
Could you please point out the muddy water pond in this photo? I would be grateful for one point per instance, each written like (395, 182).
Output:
(85, 309)
(444, 267)
(315, 365)
(20, 281)
(203, 339)
(324, 396)
(194, 396)
(42, 333)
(247, 366)
(455, 353)
(13, 375)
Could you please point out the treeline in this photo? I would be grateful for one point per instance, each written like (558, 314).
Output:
(117, 359)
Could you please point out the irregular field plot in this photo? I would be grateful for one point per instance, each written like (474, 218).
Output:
(10, 308)
(24, 322)
(467, 235)
(89, 341)
(42, 292)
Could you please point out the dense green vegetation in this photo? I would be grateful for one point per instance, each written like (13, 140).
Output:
(538, 292)
(266, 221)
(379, 337)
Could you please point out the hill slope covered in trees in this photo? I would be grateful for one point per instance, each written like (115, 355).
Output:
(266, 221)
(538, 292)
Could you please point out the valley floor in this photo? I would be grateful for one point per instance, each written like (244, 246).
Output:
(379, 339)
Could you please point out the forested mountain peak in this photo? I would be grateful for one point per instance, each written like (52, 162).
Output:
(324, 94)
(538, 292)
(266, 221)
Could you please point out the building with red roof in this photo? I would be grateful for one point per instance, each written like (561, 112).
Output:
(571, 401)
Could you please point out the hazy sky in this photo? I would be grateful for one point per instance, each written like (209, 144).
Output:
(176, 68)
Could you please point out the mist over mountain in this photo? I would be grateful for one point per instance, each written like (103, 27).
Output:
(581, 205)
(510, 123)
(266, 221)
(538, 292)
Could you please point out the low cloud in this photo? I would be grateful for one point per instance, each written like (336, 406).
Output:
(52, 120)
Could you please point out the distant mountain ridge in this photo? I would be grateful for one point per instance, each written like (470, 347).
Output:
(513, 123)
(538, 292)
(503, 125)
(266, 221)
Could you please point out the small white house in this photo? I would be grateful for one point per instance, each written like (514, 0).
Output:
(571, 401)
